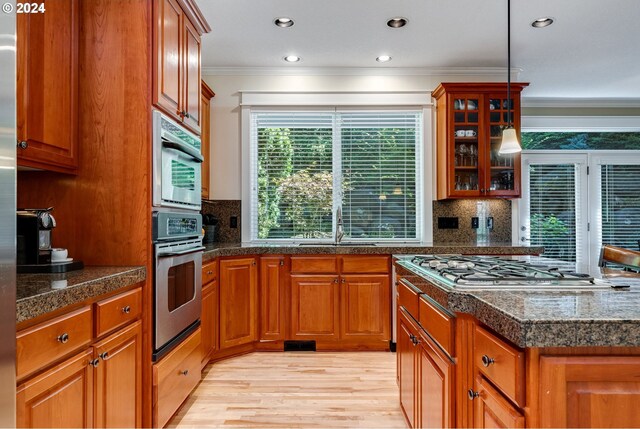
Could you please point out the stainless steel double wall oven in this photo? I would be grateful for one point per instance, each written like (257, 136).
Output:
(177, 233)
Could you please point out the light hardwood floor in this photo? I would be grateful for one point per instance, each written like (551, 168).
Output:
(296, 390)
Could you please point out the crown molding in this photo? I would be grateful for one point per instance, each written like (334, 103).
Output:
(359, 71)
(628, 103)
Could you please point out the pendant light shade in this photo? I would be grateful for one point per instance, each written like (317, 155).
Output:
(510, 143)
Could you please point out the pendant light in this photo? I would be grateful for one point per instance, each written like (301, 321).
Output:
(509, 142)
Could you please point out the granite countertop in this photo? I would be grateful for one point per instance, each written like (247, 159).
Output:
(548, 317)
(237, 249)
(38, 294)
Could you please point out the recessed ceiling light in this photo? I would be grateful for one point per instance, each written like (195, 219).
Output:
(397, 22)
(292, 58)
(283, 22)
(383, 58)
(542, 22)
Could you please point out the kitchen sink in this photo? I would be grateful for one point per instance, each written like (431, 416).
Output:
(339, 245)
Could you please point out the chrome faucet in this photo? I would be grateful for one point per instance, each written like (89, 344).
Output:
(339, 226)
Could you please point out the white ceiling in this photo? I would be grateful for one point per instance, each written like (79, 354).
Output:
(591, 51)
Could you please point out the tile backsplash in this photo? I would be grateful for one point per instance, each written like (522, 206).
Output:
(465, 210)
(224, 210)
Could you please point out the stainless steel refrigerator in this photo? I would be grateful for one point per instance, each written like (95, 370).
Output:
(7, 218)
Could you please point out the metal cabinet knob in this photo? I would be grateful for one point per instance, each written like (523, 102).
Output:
(185, 372)
(482, 190)
(209, 272)
(63, 338)
(104, 355)
(94, 363)
(486, 360)
(335, 280)
(126, 309)
(472, 394)
(344, 281)
(22, 144)
(187, 114)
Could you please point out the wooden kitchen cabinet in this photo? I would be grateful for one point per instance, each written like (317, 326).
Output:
(205, 136)
(63, 396)
(47, 87)
(238, 301)
(470, 119)
(118, 379)
(273, 301)
(177, 66)
(435, 386)
(407, 366)
(315, 312)
(493, 410)
(365, 307)
(209, 318)
(589, 391)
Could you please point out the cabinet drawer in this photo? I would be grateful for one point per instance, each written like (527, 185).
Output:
(117, 311)
(209, 272)
(314, 264)
(438, 324)
(408, 296)
(174, 377)
(501, 363)
(365, 264)
(43, 344)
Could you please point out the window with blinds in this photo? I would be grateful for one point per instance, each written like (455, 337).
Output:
(620, 205)
(553, 196)
(307, 164)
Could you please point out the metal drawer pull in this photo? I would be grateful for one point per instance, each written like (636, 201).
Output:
(94, 363)
(472, 395)
(486, 360)
(209, 272)
(185, 372)
(126, 309)
(104, 355)
(63, 338)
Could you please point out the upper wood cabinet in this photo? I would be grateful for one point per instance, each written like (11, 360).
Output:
(207, 95)
(238, 301)
(177, 66)
(47, 87)
(470, 119)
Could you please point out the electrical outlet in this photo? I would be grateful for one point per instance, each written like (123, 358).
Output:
(475, 222)
(447, 223)
(233, 222)
(490, 223)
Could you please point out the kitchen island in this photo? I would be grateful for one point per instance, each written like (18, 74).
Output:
(521, 356)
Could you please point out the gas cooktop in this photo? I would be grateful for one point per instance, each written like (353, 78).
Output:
(477, 272)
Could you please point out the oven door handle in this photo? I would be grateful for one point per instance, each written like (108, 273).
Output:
(167, 141)
(181, 252)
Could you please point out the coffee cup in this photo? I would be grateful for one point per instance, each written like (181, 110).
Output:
(58, 254)
(461, 133)
(470, 133)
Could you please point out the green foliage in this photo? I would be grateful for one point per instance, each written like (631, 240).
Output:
(307, 199)
(581, 140)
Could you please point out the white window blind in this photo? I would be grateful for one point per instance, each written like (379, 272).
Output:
(620, 205)
(306, 164)
(553, 199)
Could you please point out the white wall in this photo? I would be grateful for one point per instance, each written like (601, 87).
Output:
(226, 112)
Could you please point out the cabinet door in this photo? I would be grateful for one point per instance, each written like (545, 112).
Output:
(492, 410)
(435, 387)
(501, 172)
(272, 298)
(589, 391)
(205, 138)
(314, 307)
(168, 39)
(62, 397)
(192, 94)
(465, 151)
(238, 301)
(365, 307)
(118, 379)
(209, 321)
(406, 350)
(47, 86)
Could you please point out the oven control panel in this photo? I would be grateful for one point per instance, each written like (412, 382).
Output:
(173, 226)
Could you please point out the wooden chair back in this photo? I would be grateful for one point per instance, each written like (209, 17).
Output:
(618, 255)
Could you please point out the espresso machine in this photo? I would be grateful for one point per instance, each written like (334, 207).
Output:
(34, 228)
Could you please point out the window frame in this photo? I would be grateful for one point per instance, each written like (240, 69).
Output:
(342, 101)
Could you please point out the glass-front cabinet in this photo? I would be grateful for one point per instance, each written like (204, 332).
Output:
(470, 120)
